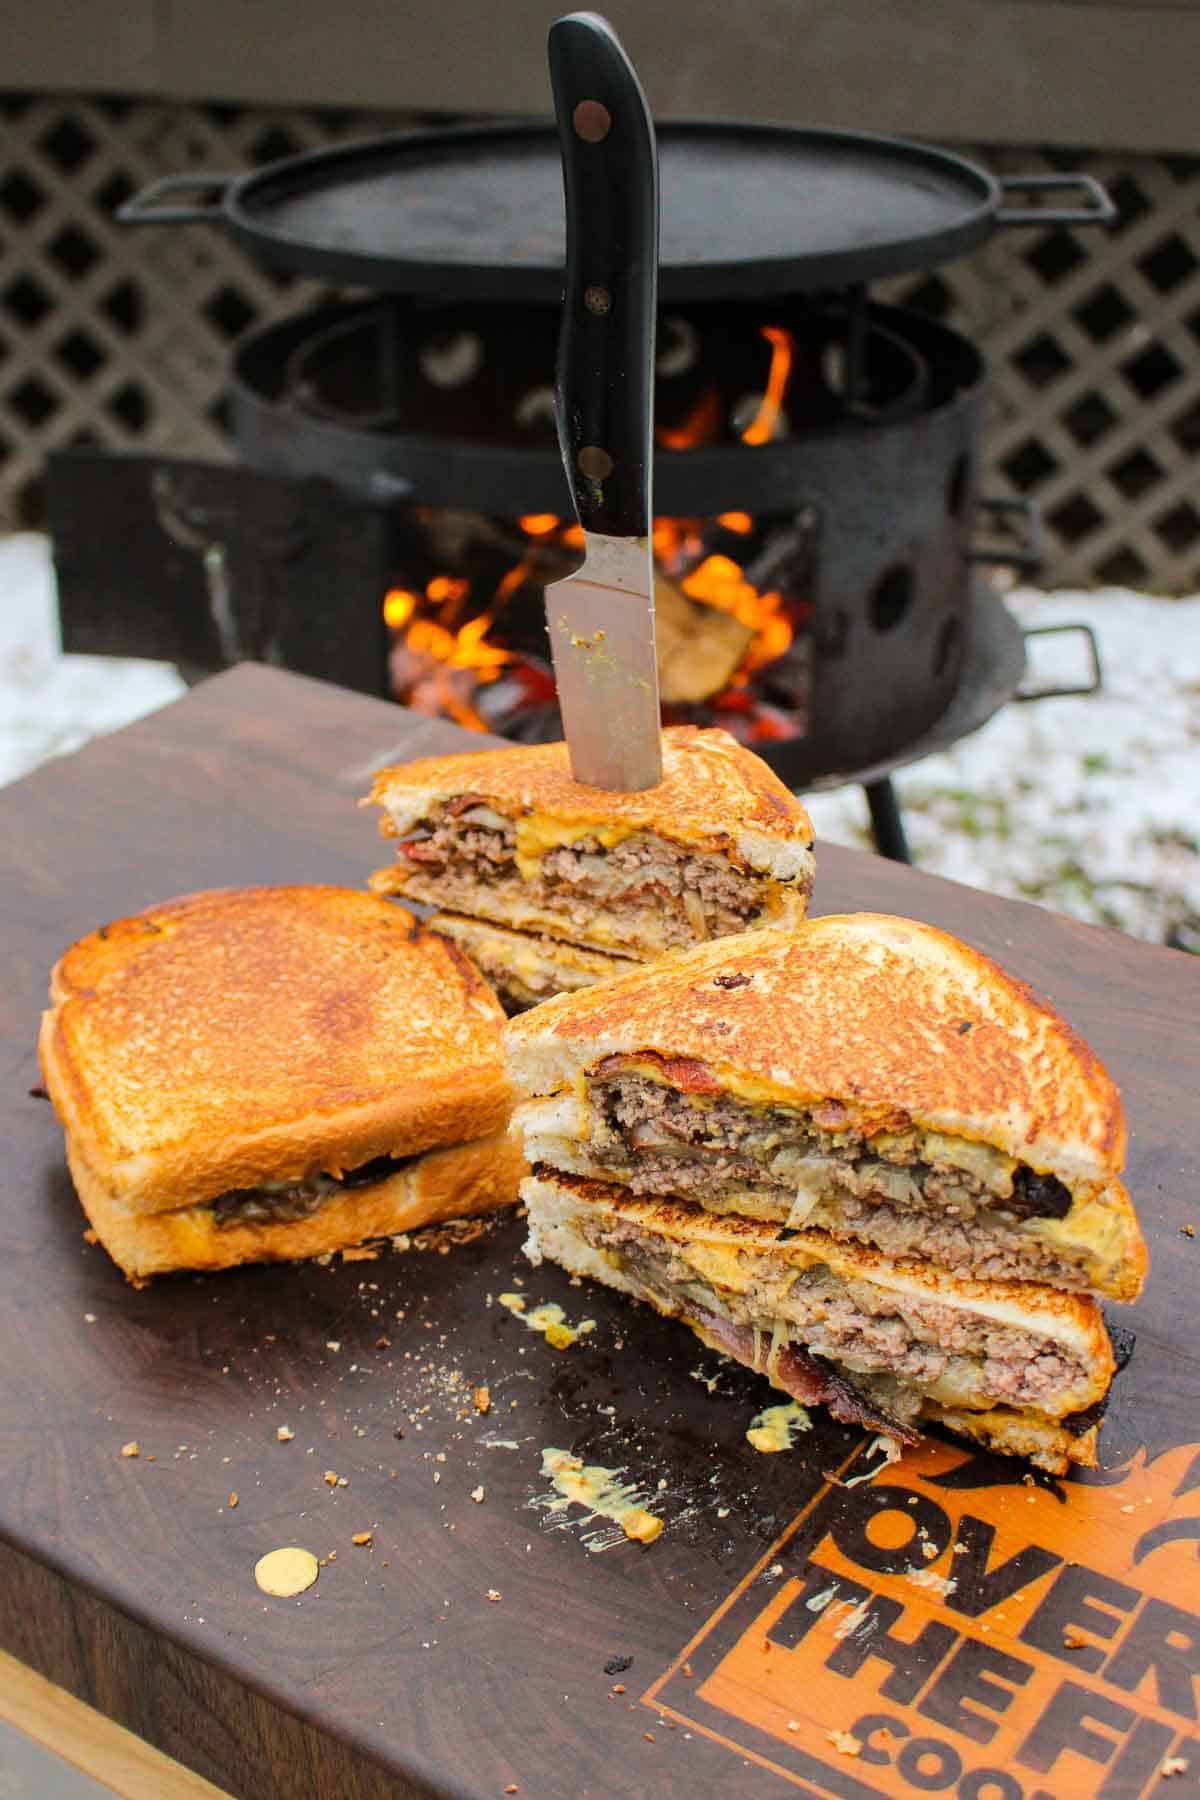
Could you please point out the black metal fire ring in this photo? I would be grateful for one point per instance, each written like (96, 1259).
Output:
(992, 666)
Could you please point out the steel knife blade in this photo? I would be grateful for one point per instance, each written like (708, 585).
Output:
(601, 619)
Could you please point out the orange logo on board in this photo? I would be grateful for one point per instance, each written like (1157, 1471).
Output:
(945, 1627)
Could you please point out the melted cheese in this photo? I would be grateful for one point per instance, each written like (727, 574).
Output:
(603, 1496)
(537, 834)
(549, 1319)
(775, 1427)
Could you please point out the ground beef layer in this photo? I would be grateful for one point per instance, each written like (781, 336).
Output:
(898, 1191)
(687, 896)
(897, 1351)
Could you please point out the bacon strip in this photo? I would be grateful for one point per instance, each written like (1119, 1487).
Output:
(682, 1072)
(797, 1371)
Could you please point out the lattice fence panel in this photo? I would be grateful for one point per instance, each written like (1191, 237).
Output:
(123, 337)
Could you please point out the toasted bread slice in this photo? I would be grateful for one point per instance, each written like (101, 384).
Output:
(458, 1183)
(870, 1337)
(523, 968)
(509, 837)
(868, 1037)
(250, 1036)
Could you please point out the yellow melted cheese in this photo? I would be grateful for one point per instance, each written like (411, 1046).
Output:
(537, 834)
(602, 1495)
(775, 1427)
(549, 1319)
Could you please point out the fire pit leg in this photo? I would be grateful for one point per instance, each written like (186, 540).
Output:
(887, 822)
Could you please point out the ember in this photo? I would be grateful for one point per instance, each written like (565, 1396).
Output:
(472, 645)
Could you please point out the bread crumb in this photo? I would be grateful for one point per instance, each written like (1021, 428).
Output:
(793, 1724)
(477, 1495)
(1073, 1639)
(687, 1669)
(285, 1434)
(89, 1237)
(649, 1736)
(331, 1479)
(512, 1788)
(383, 1343)
(618, 1687)
(1127, 1509)
(233, 1499)
(363, 1537)
(1184, 1231)
(929, 1552)
(845, 1742)
(89, 1318)
(559, 1337)
(482, 1399)
(493, 1594)
(286, 1572)
(132, 1448)
(1173, 1765)
(333, 1344)
(360, 1253)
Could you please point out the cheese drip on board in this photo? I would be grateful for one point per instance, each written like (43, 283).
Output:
(775, 1427)
(549, 1319)
(602, 1494)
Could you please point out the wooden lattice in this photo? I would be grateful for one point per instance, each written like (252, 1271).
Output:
(123, 338)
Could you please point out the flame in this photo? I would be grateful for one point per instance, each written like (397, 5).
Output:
(446, 588)
(398, 607)
(442, 663)
(762, 426)
(700, 427)
(721, 583)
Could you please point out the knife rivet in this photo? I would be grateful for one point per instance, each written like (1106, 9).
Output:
(595, 463)
(592, 121)
(598, 300)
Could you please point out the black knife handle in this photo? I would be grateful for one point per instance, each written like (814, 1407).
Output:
(606, 345)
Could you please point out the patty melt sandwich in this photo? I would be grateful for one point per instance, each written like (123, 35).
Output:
(259, 1074)
(552, 886)
(859, 1149)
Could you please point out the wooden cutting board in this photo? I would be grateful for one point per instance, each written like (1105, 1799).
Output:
(969, 1633)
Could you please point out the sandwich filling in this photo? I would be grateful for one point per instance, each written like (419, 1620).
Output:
(671, 1129)
(876, 1355)
(285, 1202)
(607, 885)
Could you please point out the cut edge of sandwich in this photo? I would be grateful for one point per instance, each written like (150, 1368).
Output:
(523, 967)
(940, 1037)
(714, 794)
(1052, 1437)
(463, 1181)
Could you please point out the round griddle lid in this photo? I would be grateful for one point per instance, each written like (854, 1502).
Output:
(477, 212)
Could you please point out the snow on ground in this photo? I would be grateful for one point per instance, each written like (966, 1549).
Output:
(1091, 806)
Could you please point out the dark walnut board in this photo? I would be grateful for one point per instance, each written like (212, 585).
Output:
(131, 1583)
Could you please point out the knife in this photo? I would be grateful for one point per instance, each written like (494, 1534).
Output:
(601, 619)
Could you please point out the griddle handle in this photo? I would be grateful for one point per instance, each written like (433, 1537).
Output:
(1098, 209)
(606, 346)
(146, 206)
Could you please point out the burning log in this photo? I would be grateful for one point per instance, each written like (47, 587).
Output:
(699, 649)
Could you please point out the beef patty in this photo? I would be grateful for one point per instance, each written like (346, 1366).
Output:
(907, 1191)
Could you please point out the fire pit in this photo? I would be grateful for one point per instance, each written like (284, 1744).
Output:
(818, 586)
(815, 484)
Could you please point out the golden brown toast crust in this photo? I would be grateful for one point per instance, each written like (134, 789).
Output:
(713, 789)
(254, 1034)
(457, 1183)
(878, 1012)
